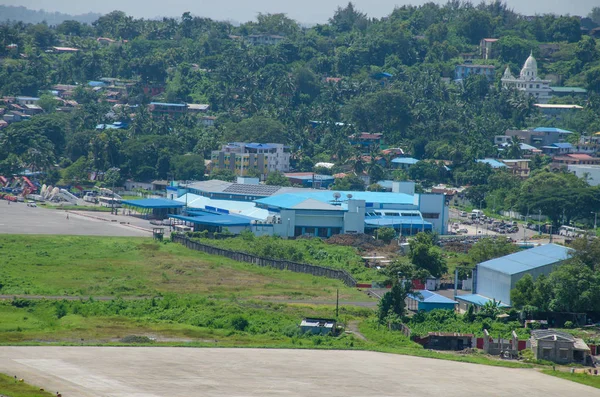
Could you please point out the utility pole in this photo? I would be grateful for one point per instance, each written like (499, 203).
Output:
(337, 302)
(595, 221)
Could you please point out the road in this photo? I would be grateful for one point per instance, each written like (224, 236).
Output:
(18, 218)
(187, 372)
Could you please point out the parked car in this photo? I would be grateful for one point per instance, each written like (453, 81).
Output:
(463, 214)
(31, 204)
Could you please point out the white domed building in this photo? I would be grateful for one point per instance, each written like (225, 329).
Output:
(528, 81)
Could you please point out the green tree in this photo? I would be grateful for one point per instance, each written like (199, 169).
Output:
(223, 174)
(47, 102)
(278, 179)
(77, 172)
(386, 234)
(393, 302)
(425, 255)
(489, 248)
(349, 182)
(188, 167)
(523, 292)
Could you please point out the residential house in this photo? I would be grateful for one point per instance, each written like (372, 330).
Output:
(105, 41)
(26, 100)
(495, 164)
(208, 121)
(242, 157)
(64, 50)
(366, 140)
(176, 109)
(540, 136)
(559, 347)
(404, 163)
(486, 48)
(564, 161)
(558, 148)
(447, 341)
(462, 71)
(32, 110)
(519, 167)
(64, 90)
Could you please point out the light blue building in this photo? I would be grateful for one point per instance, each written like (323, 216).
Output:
(424, 300)
(461, 72)
(404, 163)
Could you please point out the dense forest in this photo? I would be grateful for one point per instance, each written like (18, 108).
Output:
(391, 75)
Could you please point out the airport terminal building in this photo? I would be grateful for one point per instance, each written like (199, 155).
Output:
(291, 212)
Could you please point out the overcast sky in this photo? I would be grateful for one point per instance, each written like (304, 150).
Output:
(306, 11)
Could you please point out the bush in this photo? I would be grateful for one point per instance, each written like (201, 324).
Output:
(136, 339)
(61, 310)
(569, 324)
(239, 323)
(20, 303)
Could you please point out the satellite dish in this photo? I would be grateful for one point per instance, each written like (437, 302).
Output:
(337, 195)
(349, 196)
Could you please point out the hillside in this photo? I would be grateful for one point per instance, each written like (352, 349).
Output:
(20, 13)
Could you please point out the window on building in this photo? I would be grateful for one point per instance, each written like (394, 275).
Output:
(431, 215)
(564, 354)
(546, 352)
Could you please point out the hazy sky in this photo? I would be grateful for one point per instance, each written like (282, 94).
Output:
(307, 11)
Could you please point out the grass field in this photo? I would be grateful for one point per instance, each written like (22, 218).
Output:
(593, 381)
(89, 208)
(313, 251)
(10, 388)
(122, 266)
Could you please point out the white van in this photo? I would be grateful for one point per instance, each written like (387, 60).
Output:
(477, 213)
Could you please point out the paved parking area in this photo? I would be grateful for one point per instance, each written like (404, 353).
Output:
(17, 218)
(185, 372)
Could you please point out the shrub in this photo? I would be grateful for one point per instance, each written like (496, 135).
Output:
(61, 310)
(239, 323)
(569, 324)
(136, 339)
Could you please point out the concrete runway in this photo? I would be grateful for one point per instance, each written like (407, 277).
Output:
(185, 372)
(17, 218)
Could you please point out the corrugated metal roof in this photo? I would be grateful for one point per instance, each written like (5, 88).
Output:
(405, 160)
(562, 145)
(550, 129)
(153, 203)
(404, 221)
(215, 220)
(430, 297)
(477, 300)
(533, 258)
(492, 163)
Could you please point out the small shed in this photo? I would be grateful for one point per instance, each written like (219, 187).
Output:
(318, 326)
(447, 341)
(424, 300)
(559, 347)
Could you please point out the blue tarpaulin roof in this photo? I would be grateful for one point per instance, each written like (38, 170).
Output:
(153, 203)
(477, 300)
(562, 145)
(404, 221)
(523, 261)
(430, 297)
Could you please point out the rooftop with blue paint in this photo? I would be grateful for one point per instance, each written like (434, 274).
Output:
(478, 300)
(552, 129)
(153, 203)
(430, 297)
(325, 196)
(405, 160)
(533, 258)
(492, 163)
(214, 219)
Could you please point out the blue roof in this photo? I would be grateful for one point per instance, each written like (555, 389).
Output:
(562, 145)
(289, 200)
(404, 221)
(168, 104)
(492, 163)
(317, 177)
(215, 219)
(430, 297)
(530, 259)
(477, 300)
(386, 184)
(260, 146)
(153, 203)
(405, 160)
(96, 83)
(551, 129)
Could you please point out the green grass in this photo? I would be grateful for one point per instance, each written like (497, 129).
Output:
(311, 251)
(75, 207)
(128, 266)
(10, 388)
(589, 380)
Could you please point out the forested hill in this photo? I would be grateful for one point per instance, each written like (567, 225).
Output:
(22, 14)
(271, 80)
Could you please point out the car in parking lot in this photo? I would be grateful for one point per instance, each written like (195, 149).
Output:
(463, 214)
(31, 204)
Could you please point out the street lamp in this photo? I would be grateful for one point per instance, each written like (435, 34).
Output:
(540, 222)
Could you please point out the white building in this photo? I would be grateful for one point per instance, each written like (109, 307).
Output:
(528, 81)
(591, 173)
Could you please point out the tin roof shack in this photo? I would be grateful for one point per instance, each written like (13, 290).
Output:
(558, 347)
(446, 341)
(318, 326)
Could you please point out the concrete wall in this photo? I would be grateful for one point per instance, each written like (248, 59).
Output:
(354, 218)
(586, 171)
